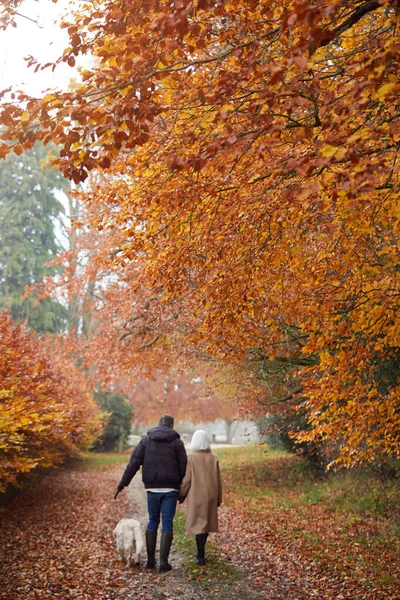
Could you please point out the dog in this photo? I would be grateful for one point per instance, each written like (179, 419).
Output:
(129, 540)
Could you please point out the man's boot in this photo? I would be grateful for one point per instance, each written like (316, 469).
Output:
(165, 546)
(201, 539)
(151, 541)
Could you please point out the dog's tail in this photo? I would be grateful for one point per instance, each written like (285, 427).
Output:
(139, 540)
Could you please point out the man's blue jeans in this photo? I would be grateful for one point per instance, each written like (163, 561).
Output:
(164, 504)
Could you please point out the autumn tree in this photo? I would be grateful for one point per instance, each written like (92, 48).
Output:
(263, 187)
(46, 408)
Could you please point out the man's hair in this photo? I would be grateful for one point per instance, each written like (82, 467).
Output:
(166, 421)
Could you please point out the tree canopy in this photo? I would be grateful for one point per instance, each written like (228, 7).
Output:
(250, 159)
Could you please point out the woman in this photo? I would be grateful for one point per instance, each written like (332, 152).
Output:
(202, 489)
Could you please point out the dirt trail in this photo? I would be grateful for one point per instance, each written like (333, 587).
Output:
(56, 542)
(174, 585)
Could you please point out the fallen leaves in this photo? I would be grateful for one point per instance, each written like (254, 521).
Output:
(307, 549)
(58, 543)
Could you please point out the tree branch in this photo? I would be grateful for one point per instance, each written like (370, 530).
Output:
(284, 399)
(356, 16)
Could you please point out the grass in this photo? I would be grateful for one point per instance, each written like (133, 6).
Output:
(218, 578)
(94, 460)
(283, 479)
(348, 521)
(216, 568)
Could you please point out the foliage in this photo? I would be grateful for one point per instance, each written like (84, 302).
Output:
(118, 427)
(46, 410)
(8, 12)
(262, 195)
(29, 211)
(129, 339)
(278, 431)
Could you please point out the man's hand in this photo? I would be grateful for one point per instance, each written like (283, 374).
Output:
(119, 490)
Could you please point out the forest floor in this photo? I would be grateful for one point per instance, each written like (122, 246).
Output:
(56, 542)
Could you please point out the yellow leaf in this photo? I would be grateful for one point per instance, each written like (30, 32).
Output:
(377, 71)
(328, 151)
(361, 134)
(340, 153)
(48, 98)
(387, 89)
(227, 107)
(25, 116)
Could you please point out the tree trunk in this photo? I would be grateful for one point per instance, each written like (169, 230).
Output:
(228, 424)
(73, 299)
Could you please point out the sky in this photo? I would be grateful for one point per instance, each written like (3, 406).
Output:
(45, 41)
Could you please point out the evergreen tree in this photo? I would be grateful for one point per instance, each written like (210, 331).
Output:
(118, 428)
(29, 211)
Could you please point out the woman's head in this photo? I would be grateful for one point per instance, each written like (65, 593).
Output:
(200, 441)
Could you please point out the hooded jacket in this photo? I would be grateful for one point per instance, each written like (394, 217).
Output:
(162, 455)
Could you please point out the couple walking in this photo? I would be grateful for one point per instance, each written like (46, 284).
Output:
(169, 475)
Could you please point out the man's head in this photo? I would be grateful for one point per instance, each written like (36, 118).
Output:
(166, 421)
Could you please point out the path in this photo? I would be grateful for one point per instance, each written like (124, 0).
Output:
(174, 585)
(56, 542)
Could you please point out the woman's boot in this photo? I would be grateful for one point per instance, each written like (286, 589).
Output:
(151, 541)
(201, 539)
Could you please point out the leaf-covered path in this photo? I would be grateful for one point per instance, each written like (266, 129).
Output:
(56, 542)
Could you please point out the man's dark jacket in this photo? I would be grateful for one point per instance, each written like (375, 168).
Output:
(163, 456)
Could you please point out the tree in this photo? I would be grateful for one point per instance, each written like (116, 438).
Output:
(196, 394)
(30, 215)
(225, 391)
(118, 427)
(46, 407)
(263, 190)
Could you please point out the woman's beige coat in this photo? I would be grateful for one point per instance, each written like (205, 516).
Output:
(202, 485)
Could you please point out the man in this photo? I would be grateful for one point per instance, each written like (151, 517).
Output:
(162, 455)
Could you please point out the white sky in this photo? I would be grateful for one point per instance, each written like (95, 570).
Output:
(45, 42)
